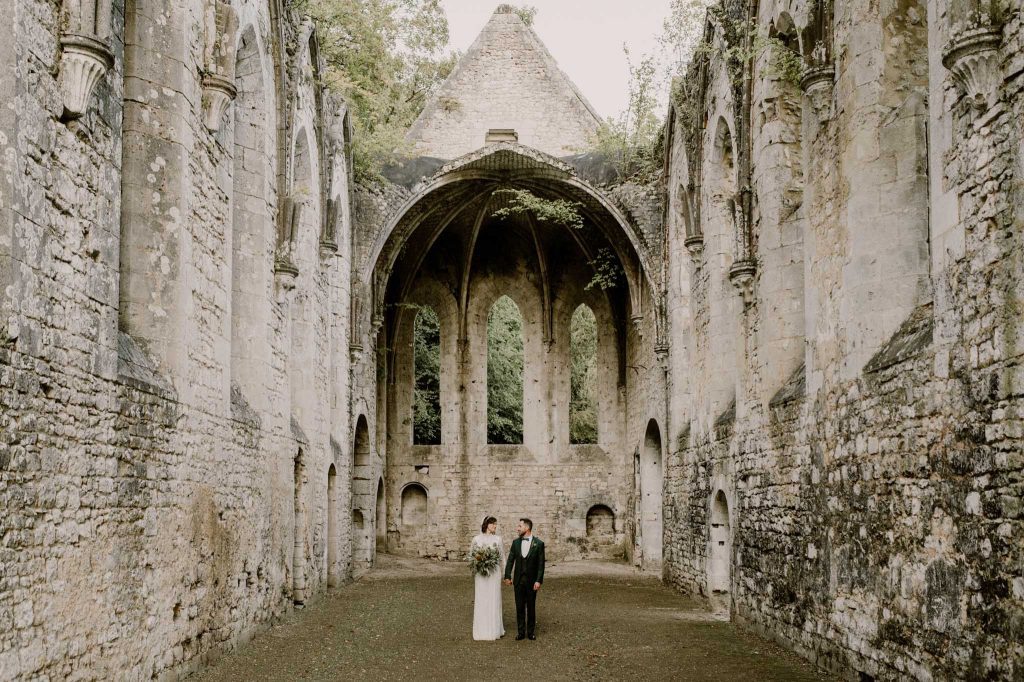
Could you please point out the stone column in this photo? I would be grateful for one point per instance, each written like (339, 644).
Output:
(160, 86)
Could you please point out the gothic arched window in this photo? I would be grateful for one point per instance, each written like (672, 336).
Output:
(504, 373)
(583, 379)
(426, 403)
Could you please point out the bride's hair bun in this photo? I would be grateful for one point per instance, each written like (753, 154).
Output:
(488, 520)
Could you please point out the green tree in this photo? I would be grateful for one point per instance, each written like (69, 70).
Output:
(385, 57)
(504, 373)
(583, 381)
(427, 372)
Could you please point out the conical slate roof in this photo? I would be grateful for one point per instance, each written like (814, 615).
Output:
(507, 81)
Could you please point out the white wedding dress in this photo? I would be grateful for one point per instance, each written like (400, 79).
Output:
(487, 620)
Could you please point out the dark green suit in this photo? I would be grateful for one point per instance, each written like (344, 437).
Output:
(524, 572)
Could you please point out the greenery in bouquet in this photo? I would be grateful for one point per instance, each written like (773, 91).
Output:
(483, 560)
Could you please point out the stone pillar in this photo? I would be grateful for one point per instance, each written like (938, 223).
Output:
(870, 267)
(160, 86)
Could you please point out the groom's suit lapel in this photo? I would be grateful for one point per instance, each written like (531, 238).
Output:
(533, 547)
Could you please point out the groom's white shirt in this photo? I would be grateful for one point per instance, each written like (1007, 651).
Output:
(525, 545)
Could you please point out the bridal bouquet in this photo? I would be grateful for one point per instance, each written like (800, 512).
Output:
(483, 559)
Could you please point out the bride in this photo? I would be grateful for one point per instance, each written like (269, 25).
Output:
(487, 621)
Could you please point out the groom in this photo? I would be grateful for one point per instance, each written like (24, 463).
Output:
(527, 556)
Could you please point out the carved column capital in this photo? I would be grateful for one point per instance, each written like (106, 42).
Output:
(695, 245)
(741, 274)
(973, 60)
(218, 93)
(84, 61)
(817, 84)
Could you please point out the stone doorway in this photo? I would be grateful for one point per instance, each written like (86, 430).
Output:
(720, 555)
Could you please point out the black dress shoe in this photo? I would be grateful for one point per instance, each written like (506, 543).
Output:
(519, 637)
(532, 636)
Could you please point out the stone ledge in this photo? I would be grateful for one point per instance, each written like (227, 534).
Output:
(913, 337)
(795, 388)
(136, 369)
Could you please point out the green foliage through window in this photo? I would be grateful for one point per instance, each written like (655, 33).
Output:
(427, 383)
(504, 373)
(583, 383)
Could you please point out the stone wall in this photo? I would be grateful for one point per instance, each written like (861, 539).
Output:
(865, 510)
(153, 506)
(507, 80)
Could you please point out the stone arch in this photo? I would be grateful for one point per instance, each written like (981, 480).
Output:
(601, 524)
(719, 570)
(299, 530)
(583, 400)
(507, 362)
(250, 231)
(650, 496)
(414, 511)
(477, 175)
(333, 569)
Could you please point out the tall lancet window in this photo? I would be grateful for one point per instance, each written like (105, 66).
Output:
(426, 428)
(504, 373)
(583, 386)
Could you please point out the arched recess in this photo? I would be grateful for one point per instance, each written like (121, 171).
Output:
(427, 378)
(583, 393)
(251, 231)
(381, 518)
(778, 219)
(303, 308)
(717, 355)
(333, 569)
(505, 365)
(719, 570)
(362, 502)
(299, 531)
(414, 513)
(601, 524)
(650, 494)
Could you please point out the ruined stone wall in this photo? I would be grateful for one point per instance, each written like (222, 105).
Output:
(546, 478)
(151, 507)
(506, 80)
(868, 511)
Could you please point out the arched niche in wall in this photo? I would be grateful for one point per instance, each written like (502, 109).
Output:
(505, 364)
(414, 513)
(583, 406)
(650, 494)
(333, 569)
(361, 445)
(250, 230)
(362, 492)
(601, 524)
(381, 518)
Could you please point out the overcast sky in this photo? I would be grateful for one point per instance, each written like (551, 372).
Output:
(584, 36)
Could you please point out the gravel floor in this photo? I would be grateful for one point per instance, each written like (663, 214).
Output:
(413, 621)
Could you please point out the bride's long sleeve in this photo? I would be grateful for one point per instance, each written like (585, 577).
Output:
(501, 554)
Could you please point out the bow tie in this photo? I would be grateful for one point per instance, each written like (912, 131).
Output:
(527, 539)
